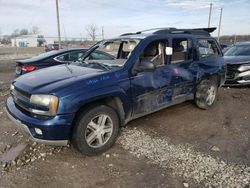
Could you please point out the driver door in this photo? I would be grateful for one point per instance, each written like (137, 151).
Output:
(151, 90)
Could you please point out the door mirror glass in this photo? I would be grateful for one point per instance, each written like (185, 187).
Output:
(169, 50)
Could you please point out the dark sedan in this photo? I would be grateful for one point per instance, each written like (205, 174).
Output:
(237, 59)
(57, 57)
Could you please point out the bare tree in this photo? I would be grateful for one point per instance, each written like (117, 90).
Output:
(35, 30)
(16, 33)
(24, 31)
(91, 30)
(6, 39)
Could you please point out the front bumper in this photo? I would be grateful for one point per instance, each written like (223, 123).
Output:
(235, 77)
(56, 131)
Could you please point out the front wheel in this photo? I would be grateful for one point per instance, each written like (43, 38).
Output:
(96, 130)
(206, 94)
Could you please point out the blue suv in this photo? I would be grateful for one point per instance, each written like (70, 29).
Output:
(88, 102)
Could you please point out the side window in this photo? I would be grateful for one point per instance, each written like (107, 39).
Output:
(207, 48)
(182, 50)
(154, 52)
(75, 56)
(62, 58)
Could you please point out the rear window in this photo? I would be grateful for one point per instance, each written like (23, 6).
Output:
(207, 48)
(46, 55)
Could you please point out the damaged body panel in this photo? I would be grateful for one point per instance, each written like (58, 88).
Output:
(147, 72)
(237, 59)
(238, 71)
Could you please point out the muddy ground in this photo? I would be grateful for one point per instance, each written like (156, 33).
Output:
(221, 134)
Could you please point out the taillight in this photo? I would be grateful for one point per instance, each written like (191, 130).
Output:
(28, 68)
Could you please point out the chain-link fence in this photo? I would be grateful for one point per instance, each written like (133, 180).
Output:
(29, 45)
(229, 40)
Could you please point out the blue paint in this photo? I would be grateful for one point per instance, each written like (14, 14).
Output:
(138, 93)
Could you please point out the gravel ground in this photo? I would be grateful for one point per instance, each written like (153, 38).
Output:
(181, 146)
(184, 161)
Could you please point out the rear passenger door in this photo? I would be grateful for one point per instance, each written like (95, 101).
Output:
(184, 68)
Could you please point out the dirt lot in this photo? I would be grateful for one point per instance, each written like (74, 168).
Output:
(7, 53)
(181, 146)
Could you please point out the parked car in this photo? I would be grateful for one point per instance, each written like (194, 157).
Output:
(53, 58)
(87, 103)
(223, 46)
(50, 47)
(224, 50)
(237, 59)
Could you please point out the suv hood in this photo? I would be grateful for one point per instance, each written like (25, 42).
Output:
(48, 79)
(236, 59)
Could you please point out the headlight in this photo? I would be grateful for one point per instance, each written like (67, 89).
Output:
(49, 101)
(244, 67)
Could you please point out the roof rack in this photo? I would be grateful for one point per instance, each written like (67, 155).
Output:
(196, 31)
(143, 31)
(125, 34)
(172, 30)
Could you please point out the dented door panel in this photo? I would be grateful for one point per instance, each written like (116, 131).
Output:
(151, 90)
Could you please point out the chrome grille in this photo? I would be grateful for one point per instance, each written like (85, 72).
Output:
(21, 98)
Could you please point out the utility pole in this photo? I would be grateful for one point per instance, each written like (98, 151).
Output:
(102, 32)
(235, 39)
(210, 12)
(219, 24)
(58, 24)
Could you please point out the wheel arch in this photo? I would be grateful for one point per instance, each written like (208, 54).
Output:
(112, 101)
(215, 77)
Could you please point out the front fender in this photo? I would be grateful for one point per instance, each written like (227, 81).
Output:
(72, 103)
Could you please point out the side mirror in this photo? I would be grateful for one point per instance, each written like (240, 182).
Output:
(169, 50)
(146, 65)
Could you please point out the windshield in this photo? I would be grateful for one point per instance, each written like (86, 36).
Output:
(238, 51)
(112, 53)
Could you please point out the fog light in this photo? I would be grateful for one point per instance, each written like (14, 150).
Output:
(38, 131)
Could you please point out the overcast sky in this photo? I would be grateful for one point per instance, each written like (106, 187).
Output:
(121, 16)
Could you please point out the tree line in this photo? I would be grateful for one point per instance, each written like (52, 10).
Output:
(92, 31)
(6, 39)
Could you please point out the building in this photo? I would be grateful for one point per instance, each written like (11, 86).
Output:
(31, 41)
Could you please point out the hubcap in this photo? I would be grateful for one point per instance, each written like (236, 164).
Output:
(99, 131)
(211, 95)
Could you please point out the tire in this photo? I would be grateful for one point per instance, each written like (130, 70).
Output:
(206, 94)
(96, 130)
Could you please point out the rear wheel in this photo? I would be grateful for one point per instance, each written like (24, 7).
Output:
(96, 130)
(206, 94)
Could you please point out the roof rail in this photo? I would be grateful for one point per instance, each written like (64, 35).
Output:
(163, 28)
(139, 32)
(172, 30)
(125, 34)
